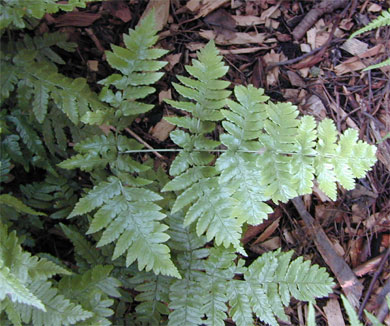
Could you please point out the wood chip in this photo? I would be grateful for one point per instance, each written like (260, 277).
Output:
(295, 79)
(204, 7)
(234, 38)
(354, 46)
(248, 20)
(333, 313)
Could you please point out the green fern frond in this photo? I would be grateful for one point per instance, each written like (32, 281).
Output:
(378, 65)
(13, 13)
(30, 65)
(139, 68)
(383, 20)
(26, 294)
(153, 294)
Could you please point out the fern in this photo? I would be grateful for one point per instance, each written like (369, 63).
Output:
(382, 20)
(210, 285)
(270, 154)
(39, 82)
(139, 67)
(14, 13)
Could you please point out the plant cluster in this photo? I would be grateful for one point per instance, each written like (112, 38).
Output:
(173, 239)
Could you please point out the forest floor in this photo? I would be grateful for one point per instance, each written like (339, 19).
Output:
(297, 56)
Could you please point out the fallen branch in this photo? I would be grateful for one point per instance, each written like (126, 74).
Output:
(324, 7)
(350, 284)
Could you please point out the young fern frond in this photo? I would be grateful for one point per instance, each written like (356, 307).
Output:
(382, 20)
(271, 154)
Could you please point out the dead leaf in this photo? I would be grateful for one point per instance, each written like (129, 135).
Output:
(161, 12)
(118, 9)
(248, 20)
(315, 107)
(204, 7)
(173, 60)
(333, 313)
(221, 18)
(295, 79)
(164, 95)
(374, 8)
(235, 38)
(273, 74)
(76, 18)
(161, 130)
(93, 65)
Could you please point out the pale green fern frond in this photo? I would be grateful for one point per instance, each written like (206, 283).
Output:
(212, 287)
(211, 206)
(139, 69)
(238, 169)
(26, 295)
(383, 20)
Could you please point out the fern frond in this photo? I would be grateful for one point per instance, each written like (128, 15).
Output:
(39, 82)
(382, 20)
(153, 294)
(14, 12)
(139, 69)
(18, 205)
(378, 65)
(238, 170)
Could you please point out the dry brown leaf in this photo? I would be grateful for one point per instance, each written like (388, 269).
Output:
(93, 65)
(173, 59)
(118, 9)
(161, 130)
(295, 79)
(161, 12)
(333, 313)
(374, 8)
(234, 38)
(248, 20)
(76, 18)
(204, 7)
(164, 95)
(268, 232)
(273, 74)
(315, 107)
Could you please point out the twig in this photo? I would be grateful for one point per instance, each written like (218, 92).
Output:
(374, 278)
(325, 6)
(95, 40)
(347, 279)
(133, 134)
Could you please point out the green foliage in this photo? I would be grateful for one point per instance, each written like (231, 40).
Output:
(270, 154)
(382, 20)
(148, 248)
(353, 317)
(139, 67)
(14, 13)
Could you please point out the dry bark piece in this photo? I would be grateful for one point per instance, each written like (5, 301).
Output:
(76, 18)
(333, 313)
(352, 287)
(161, 130)
(325, 6)
(234, 38)
(204, 7)
(118, 9)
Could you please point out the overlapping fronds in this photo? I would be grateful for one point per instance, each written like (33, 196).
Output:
(210, 290)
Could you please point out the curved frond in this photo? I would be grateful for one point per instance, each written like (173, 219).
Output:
(382, 20)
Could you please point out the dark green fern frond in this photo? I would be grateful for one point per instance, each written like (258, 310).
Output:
(139, 69)
(13, 13)
(382, 20)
